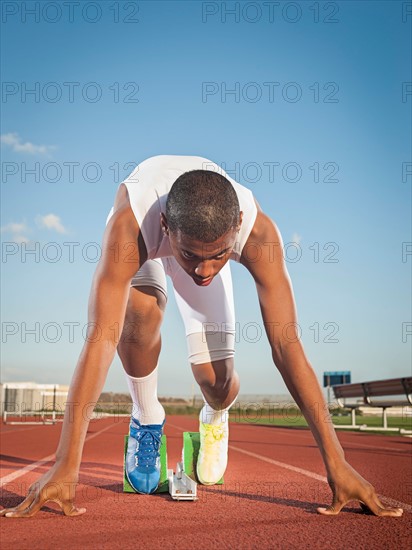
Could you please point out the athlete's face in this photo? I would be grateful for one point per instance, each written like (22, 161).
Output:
(202, 261)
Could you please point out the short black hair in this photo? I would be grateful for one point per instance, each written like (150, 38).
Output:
(203, 205)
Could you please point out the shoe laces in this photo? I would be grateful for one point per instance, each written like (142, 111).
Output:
(213, 433)
(148, 447)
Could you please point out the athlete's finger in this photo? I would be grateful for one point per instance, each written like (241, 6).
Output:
(376, 507)
(6, 511)
(333, 509)
(20, 507)
(396, 510)
(29, 511)
(70, 509)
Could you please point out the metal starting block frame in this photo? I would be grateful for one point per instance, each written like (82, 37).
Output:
(181, 486)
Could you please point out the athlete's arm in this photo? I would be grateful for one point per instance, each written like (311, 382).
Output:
(278, 309)
(107, 305)
(123, 252)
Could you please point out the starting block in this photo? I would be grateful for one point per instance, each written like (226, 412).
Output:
(181, 485)
(163, 486)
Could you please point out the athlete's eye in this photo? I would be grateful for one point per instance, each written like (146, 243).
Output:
(187, 255)
(222, 254)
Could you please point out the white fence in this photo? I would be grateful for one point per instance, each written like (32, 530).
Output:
(21, 398)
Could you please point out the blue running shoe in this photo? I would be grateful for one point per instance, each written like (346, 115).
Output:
(143, 456)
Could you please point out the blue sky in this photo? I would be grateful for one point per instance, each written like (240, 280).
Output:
(309, 109)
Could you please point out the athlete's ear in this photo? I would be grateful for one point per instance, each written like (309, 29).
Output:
(240, 220)
(163, 223)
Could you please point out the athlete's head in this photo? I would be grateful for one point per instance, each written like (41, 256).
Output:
(202, 205)
(202, 220)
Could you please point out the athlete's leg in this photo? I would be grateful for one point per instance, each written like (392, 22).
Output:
(140, 342)
(209, 319)
(208, 316)
(139, 349)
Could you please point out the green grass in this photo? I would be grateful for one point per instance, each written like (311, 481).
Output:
(295, 419)
(289, 416)
(404, 422)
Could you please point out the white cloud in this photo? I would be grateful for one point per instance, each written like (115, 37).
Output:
(17, 231)
(14, 141)
(20, 239)
(15, 227)
(51, 221)
(296, 238)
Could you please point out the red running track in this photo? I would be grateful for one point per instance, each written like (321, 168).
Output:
(273, 484)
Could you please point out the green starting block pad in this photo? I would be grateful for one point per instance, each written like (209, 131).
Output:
(190, 453)
(163, 483)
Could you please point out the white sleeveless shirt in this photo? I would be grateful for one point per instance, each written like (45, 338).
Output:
(148, 186)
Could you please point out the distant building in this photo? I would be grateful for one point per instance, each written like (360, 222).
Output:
(22, 397)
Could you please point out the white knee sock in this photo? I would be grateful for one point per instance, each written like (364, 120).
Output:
(146, 406)
(208, 415)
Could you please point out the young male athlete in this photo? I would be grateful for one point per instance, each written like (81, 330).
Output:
(184, 217)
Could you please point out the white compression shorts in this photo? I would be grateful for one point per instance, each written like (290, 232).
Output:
(208, 313)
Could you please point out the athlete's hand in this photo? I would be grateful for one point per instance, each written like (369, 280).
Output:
(347, 485)
(56, 486)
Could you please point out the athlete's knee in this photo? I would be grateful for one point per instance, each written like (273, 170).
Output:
(217, 377)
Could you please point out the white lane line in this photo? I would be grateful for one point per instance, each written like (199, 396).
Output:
(312, 475)
(281, 464)
(349, 445)
(303, 433)
(25, 470)
(18, 473)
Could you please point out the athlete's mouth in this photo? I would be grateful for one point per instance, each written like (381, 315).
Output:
(202, 282)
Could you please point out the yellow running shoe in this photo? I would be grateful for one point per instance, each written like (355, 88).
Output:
(212, 459)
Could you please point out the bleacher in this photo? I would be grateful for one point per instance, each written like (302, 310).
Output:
(393, 392)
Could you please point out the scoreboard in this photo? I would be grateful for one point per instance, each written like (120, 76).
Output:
(333, 378)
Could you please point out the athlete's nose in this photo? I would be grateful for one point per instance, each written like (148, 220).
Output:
(204, 270)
